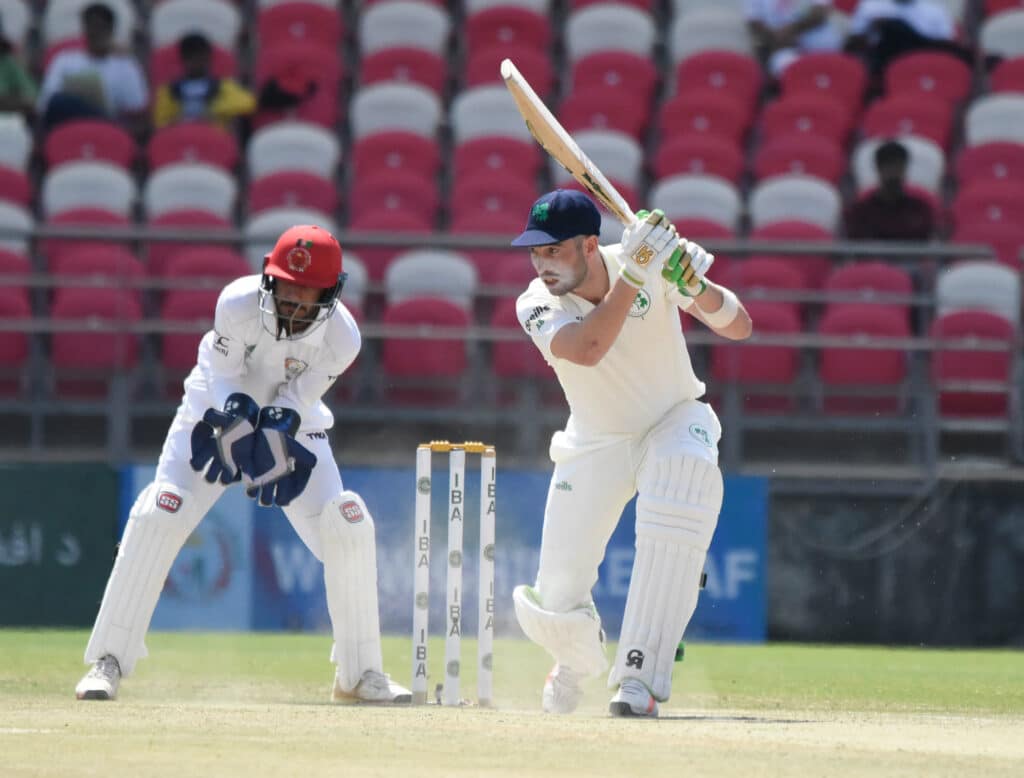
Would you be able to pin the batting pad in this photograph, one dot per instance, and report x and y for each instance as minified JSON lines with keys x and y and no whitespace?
{"x":350,"y":577}
{"x":675,"y":519}
{"x":574,"y":638}
{"x":159,"y":523}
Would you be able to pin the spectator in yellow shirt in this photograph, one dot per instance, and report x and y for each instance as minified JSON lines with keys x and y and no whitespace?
{"x":199,"y":95}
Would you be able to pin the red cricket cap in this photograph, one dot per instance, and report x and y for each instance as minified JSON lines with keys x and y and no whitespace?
{"x":306,"y":255}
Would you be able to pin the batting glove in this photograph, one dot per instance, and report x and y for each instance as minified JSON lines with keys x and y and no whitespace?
{"x":647,"y":244}
{"x":687,"y":268}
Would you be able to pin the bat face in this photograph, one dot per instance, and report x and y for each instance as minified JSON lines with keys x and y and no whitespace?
{"x":553,"y":138}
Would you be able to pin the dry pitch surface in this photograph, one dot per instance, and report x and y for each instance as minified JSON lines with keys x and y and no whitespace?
{"x":254,"y":705}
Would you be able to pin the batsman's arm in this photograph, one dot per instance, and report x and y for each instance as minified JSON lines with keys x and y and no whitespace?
{"x":721,"y":310}
{"x":586,"y":342}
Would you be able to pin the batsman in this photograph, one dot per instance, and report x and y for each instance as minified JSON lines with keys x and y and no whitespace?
{"x":252,"y":415}
{"x":606,"y":319}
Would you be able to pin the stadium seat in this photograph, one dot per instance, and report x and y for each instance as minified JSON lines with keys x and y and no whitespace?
{"x":1008,"y":76}
{"x":989,"y":201}
{"x":376,"y":258}
{"x":61,"y":21}
{"x":209,"y":144}
{"x":196,"y":223}
{"x":710,"y":112}
{"x":486,"y":111}
{"x":353,"y":293}
{"x":1002,"y":35}
{"x":969,"y":364}
{"x":697,"y":197}
{"x":809,"y":113}
{"x":113,"y":263}
{"x":89,"y":140}
{"x":303,"y":22}
{"x":262,"y":230}
{"x":293,"y":147}
{"x":930,"y":73}
{"x":289,"y":189}
{"x":841,"y":76}
{"x":802,"y":154}
{"x":215,"y":262}
{"x":397,"y":150}
{"x":608,"y":27}
{"x":218,"y":20}
{"x":424,"y":371}
{"x":15,"y":347}
{"x":395,"y":190}
{"x":514,"y":359}
{"x":390,"y":107}
{"x":710,"y":28}
{"x":15,"y":187}
{"x":993,"y":7}
{"x":816,"y":267}
{"x":863,"y":381}
{"x":980,"y":286}
{"x":165,"y":64}
{"x":499,"y":156}
{"x":1005,"y":239}
{"x":15,"y":141}
{"x":405,"y":65}
{"x":758,"y":277}
{"x":17,"y":19}
{"x":928,"y":117}
{"x":699,"y":154}
{"x":600,"y":108}
{"x":403,"y":24}
{"x":299,"y":68}
{"x":179,"y":350}
{"x":869,"y":279}
{"x":493,"y":193}
{"x":88,"y":185}
{"x":925,"y":170}
{"x":447,"y":275}
{"x":736,"y":75}
{"x":12,"y":263}
{"x":506,"y":25}
{"x":190,"y":186}
{"x":615,"y":154}
{"x":95,"y":219}
{"x":765,"y":374}
{"x":993,"y":118}
{"x":484,"y":67}
{"x":795,"y":198}
{"x":612,"y":70}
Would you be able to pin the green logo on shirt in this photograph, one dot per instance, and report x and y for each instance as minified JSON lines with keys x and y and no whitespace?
{"x":700,"y":434}
{"x":564,"y":486}
{"x":641,"y":305}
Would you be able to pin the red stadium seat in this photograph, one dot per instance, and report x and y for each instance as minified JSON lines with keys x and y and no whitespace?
{"x":929,"y":73}
{"x":192,"y":142}
{"x":815,"y":267}
{"x":84,"y":361}
{"x":880,"y":371}
{"x":15,"y":187}
{"x":293,"y":189}
{"x":506,"y":25}
{"x":89,"y":139}
{"x":870,"y":279}
{"x":396,"y":151}
{"x":1005,"y":238}
{"x":297,"y":68}
{"x":509,"y":268}
{"x":12,"y":263}
{"x":1008,"y":76}
{"x":806,"y":154}
{"x":990,"y":161}
{"x":992,"y":201}
{"x":817,"y":114}
{"x":165,"y":64}
{"x":493,"y":193}
{"x":756,"y":276}
{"x":395,"y":190}
{"x":605,"y":109}
{"x":484,"y":67}
{"x":614,"y":70}
{"x":929,"y":117}
{"x":703,"y":154}
{"x":299,"y":22}
{"x":412,"y":65}
{"x":376,"y":258}
{"x":93,"y":218}
{"x":158,"y":253}
{"x":216,"y":262}
{"x":518,"y":358}
{"x":424,"y":372}
{"x":993,"y":7}
{"x":643,"y":5}
{"x":710,"y":112}
{"x":116,"y":266}
{"x":499,"y":155}
{"x":178,"y":350}
{"x":484,"y":222}
{"x":970,"y":364}
{"x":758,"y":369}
{"x":14,"y":346}
{"x":842,"y":76}
{"x":735,"y":75}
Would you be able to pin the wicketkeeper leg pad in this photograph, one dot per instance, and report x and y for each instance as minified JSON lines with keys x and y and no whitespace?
{"x":676,"y":514}
{"x":350,"y":577}
{"x":159,"y":523}
{"x":573,"y":638}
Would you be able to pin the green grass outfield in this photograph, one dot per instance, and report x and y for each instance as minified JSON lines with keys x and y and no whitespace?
{"x":257,"y":705}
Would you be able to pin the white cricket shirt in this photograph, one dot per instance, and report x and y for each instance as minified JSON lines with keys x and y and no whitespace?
{"x":645,"y":373}
{"x":240,"y":355}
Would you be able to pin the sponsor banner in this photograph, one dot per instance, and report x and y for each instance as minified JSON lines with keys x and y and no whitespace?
{"x":210,"y":583}
{"x":57,"y":542}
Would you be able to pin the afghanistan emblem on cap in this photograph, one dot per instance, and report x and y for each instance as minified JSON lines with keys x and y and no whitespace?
{"x":299,"y":258}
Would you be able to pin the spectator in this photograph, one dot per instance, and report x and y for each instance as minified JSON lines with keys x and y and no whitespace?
{"x":785,"y":29}
{"x":199,"y":95}
{"x":890,"y":212}
{"x":97,"y":82}
{"x":17,"y":91}
{"x":881,"y":30}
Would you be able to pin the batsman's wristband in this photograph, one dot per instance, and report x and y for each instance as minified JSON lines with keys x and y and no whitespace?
{"x":626,"y":276}
{"x":725,"y":315}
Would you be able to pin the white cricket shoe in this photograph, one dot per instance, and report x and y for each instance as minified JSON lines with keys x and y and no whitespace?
{"x":633,"y":699}
{"x":373,"y":687}
{"x":562,"y":690}
{"x":102,"y":680}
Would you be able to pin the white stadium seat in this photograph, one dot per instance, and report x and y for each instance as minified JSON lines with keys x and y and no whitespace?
{"x":431,"y":273}
{"x":609,"y":27}
{"x":708,"y":29}
{"x":487,"y":111}
{"x":1003,"y":34}
{"x":982,"y":285}
{"x":391,"y":106}
{"x":16,"y":20}
{"x":795,"y":198}
{"x":14,"y":218}
{"x":88,"y":185}
{"x":615,"y":154}
{"x":15,"y":141}
{"x":218,"y":20}
{"x":190,"y":186}
{"x":993,"y":118}
{"x":293,"y":146}
{"x":926,"y":167}
{"x":403,"y":24}
{"x":697,"y":197}
{"x":542,"y":7}
{"x":354,"y":291}
{"x":263,"y":230}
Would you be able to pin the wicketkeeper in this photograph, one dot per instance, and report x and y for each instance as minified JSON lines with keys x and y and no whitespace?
{"x":606,"y":318}
{"x":253,"y":414}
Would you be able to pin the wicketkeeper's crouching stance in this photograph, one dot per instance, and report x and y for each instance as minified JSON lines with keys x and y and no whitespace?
{"x":607,"y":320}
{"x":279,"y":341}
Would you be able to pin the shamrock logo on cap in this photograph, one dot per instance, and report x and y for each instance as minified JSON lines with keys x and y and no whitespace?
{"x":540,"y":212}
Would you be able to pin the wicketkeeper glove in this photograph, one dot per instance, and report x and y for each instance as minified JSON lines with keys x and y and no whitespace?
{"x":688,"y":268}
{"x":279,"y":466}
{"x":647,"y":244}
{"x":215,"y":439}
